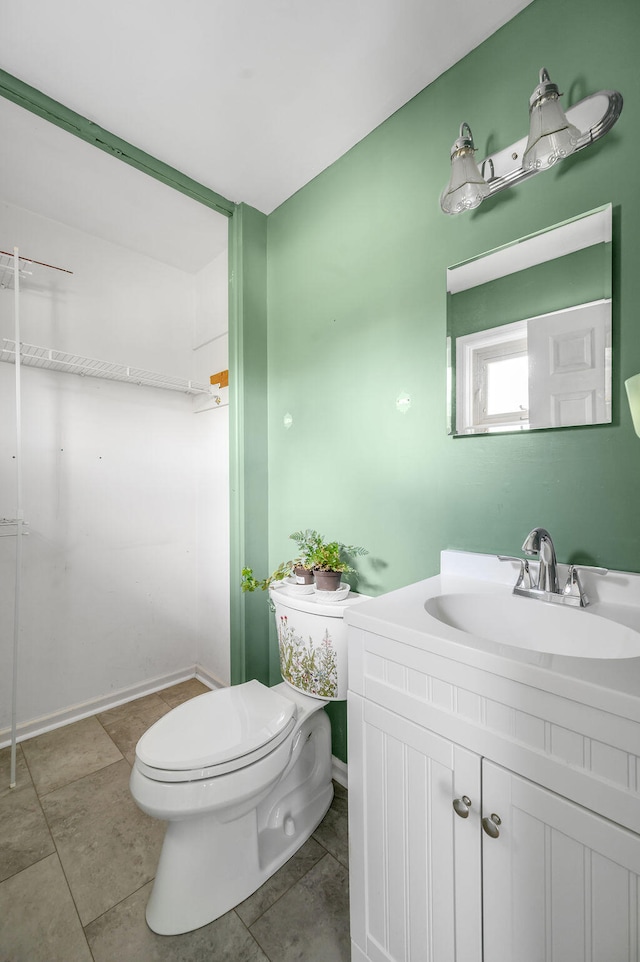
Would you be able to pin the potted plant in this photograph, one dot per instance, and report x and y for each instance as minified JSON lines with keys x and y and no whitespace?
{"x":316,"y":559}
{"x":308,"y":541}
{"x":328,"y":563}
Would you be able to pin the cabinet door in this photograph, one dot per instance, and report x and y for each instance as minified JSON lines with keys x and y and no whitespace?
{"x":407,"y":842}
{"x":560,"y":882}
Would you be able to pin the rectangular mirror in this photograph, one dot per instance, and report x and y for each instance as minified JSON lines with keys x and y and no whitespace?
{"x":529,"y":331}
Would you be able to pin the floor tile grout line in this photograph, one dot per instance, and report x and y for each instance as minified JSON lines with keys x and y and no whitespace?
{"x":103,"y":728}
{"x":72,"y":897}
{"x":75,"y":905}
{"x":36,"y":861}
{"x":46,"y":822}
{"x":286,"y":891}
{"x":61,"y":863}
{"x":39,"y":800}
{"x":80,"y":778}
{"x":119,"y":902}
{"x":55,"y":845}
{"x":57,"y":853}
{"x":264,"y":951}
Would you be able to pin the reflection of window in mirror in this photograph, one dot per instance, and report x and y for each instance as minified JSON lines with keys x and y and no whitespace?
{"x":492,"y":380}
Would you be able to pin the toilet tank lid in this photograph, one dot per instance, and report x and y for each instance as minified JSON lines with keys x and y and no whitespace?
{"x":314,"y":605}
{"x":216,"y":727}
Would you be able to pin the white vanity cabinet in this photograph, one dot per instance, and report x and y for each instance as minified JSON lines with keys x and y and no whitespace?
{"x":414,"y":869}
{"x":560,"y":882}
{"x":432,"y":723}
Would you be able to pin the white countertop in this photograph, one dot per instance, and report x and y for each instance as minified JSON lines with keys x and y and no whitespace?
{"x":612,"y":684}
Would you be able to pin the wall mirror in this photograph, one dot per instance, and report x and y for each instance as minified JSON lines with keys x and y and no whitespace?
{"x":529,"y":331}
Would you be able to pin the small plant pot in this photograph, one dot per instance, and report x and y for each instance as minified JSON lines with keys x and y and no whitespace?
{"x":327,"y":580}
{"x":302,"y":575}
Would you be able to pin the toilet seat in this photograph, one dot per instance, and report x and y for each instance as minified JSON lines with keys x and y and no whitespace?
{"x":216,"y":733}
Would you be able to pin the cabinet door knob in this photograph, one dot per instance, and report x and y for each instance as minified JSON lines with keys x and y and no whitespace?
{"x":461,"y":806}
{"x":490,"y":824}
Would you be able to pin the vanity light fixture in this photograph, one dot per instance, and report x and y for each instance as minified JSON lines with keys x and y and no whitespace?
{"x":467,"y":188}
{"x":553,"y":135}
{"x":633,"y":394}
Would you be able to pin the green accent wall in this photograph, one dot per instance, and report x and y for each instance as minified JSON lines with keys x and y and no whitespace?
{"x":357,"y":316}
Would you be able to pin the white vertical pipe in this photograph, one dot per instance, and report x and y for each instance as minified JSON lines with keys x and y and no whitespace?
{"x":19,"y":518}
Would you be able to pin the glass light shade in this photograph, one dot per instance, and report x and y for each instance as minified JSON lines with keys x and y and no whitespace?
{"x":633,"y":394}
{"x":467,"y":188}
{"x":551,"y":136}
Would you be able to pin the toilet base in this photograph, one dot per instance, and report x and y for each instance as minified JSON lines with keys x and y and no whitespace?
{"x":212,"y":862}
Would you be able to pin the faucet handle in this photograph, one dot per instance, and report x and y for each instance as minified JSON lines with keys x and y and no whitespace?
{"x":524,"y":577}
{"x":573,"y":587}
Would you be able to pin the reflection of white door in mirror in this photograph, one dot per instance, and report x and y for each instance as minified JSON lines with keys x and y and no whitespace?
{"x":570,"y":366}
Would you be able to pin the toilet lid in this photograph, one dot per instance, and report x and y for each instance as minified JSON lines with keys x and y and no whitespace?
{"x":216,"y":728}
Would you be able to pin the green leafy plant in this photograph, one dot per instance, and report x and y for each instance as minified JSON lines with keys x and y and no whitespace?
{"x":313,"y":553}
{"x":251,"y":583}
{"x":332,"y":556}
{"x":308,"y":541}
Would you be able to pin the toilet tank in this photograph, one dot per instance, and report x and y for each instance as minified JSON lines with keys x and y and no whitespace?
{"x":312,"y":638}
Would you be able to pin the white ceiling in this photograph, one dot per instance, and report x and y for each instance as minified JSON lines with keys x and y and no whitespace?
{"x":44,"y":169}
{"x":252,"y":98}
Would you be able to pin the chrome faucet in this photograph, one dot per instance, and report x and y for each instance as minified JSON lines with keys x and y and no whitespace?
{"x":539,"y":542}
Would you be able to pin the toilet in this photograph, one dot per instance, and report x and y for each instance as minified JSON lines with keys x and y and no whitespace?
{"x":242,"y":775}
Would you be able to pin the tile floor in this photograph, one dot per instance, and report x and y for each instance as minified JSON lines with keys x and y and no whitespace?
{"x":77,"y":859}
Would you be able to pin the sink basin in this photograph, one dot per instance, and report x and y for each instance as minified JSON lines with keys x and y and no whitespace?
{"x":593,"y":632}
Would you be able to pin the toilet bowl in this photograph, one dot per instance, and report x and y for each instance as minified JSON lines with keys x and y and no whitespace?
{"x":242,"y":775}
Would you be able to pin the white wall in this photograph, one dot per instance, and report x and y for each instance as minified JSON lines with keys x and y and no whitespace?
{"x":124,"y":486}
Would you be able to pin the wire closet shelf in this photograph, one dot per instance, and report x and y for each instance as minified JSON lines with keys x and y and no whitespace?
{"x":16,"y":269}
{"x":31,"y":355}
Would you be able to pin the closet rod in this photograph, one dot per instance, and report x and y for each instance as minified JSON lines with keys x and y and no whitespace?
{"x":39,"y":263}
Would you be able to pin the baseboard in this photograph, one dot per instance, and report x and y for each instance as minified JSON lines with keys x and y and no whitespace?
{"x":339,"y":772}
{"x":209,"y":679}
{"x":66,"y":716}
